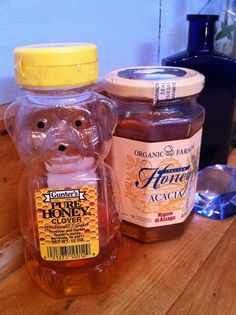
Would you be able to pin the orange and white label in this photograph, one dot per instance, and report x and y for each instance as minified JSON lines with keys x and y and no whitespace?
{"x":157,"y":180}
{"x":67,"y":222}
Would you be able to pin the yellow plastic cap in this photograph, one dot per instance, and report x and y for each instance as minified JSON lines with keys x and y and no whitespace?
{"x":56,"y":65}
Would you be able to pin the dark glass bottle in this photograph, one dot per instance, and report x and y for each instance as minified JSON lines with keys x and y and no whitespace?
{"x":218,"y":95}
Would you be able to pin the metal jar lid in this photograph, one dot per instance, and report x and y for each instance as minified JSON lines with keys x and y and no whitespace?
{"x":154,"y":83}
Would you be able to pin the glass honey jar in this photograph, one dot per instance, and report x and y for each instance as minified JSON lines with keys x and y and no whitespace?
{"x":156,"y":147}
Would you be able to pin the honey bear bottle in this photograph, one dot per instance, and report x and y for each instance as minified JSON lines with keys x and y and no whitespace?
{"x":68,"y":199}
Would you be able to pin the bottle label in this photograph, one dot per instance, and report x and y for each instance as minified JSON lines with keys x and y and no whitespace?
{"x":67,"y":222}
{"x":157,"y":180}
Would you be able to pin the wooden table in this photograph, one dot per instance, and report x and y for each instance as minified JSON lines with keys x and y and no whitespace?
{"x":195,"y":274}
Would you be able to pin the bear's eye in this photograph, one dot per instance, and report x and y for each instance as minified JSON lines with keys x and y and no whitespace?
{"x":78,"y":123}
{"x":81,"y":122}
{"x":41,"y":124}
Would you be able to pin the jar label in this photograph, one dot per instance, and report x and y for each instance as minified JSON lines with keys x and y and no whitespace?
{"x":164,"y":90}
{"x":157,"y":180}
{"x":67,"y":222}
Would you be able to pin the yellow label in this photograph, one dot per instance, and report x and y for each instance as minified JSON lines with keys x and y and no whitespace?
{"x":67,"y":222}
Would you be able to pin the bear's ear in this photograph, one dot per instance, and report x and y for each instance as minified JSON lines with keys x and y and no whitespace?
{"x":109,"y":114}
{"x":9,"y":118}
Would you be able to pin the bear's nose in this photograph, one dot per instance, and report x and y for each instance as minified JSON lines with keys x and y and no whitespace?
{"x":62,"y":147}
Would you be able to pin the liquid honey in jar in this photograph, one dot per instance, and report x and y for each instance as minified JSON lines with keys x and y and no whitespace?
{"x":156,"y":147}
{"x":62,"y":130}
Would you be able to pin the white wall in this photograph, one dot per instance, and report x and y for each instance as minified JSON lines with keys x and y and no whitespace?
{"x":174,"y":27}
{"x":125,"y":31}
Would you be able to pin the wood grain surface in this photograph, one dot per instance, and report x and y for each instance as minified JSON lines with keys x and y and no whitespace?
{"x":11,"y":253}
{"x":11,"y":168}
{"x":213,"y":289}
{"x":10,"y":171}
{"x":193,"y":275}
{"x":153,"y":277}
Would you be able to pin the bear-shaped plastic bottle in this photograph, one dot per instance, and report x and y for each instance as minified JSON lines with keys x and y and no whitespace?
{"x":67,"y":197}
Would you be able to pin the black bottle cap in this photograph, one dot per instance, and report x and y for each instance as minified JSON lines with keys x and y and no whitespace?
{"x":205,"y":17}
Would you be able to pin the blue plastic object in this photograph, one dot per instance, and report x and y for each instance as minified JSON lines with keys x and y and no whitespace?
{"x":216,"y":192}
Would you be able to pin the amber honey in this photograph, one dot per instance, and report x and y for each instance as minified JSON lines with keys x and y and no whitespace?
{"x":156,"y":148}
{"x":68,"y":199}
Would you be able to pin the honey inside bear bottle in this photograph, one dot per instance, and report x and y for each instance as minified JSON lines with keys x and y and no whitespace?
{"x":68,"y":201}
